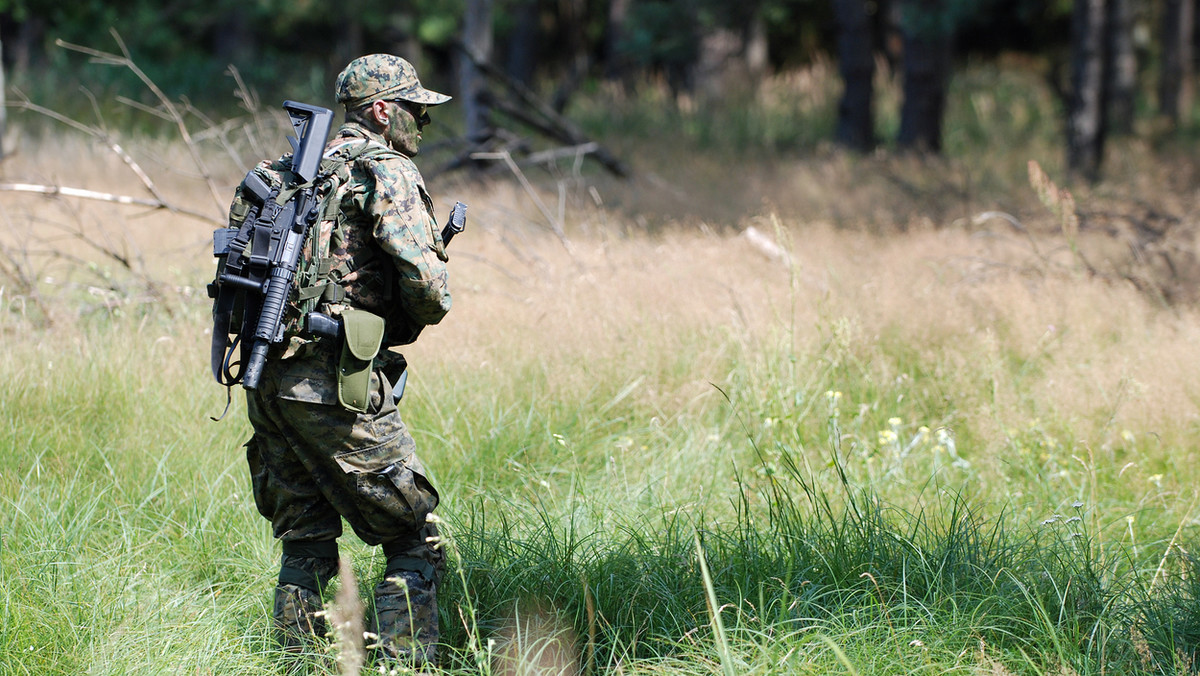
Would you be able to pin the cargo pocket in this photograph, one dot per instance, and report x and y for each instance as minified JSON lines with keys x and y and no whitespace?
{"x":258,"y":479}
{"x":394,"y":496}
{"x":310,"y":380}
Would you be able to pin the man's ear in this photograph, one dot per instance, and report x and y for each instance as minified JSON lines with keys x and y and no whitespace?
{"x":379,"y":112}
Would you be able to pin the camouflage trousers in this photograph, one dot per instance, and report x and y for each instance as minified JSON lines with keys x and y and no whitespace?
{"x":314,"y":463}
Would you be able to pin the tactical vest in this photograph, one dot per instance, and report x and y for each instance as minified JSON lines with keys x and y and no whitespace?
{"x":320,"y":272}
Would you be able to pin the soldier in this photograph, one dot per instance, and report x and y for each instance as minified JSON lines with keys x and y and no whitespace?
{"x":328,"y":440}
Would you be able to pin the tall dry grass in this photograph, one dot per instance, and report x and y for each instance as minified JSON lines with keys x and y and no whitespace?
{"x":659,"y":366}
{"x":962,"y":301}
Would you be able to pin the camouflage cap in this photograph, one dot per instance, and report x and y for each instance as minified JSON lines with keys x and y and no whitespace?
{"x":382,"y":76}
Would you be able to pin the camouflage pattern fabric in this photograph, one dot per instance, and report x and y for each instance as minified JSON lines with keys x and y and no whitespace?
{"x":384,"y":249}
{"x":382,"y":76}
{"x":406,"y":619}
{"x":385,"y":205}
{"x":313,"y":463}
{"x":297,"y":617}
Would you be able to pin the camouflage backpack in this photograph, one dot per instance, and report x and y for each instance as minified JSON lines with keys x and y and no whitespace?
{"x":273,"y":259}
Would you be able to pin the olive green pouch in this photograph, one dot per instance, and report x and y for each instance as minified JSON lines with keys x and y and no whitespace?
{"x":362,"y":334}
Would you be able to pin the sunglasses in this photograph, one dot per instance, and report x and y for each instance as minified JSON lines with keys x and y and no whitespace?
{"x":419,"y":111}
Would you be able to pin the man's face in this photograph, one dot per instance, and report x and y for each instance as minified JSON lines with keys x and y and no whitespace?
{"x":403,"y":131}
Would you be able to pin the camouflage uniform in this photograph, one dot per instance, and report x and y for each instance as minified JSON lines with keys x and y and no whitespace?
{"x":314,"y":462}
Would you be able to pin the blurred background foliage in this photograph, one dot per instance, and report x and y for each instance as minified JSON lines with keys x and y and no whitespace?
{"x":743,"y":77}
{"x":289,"y":45}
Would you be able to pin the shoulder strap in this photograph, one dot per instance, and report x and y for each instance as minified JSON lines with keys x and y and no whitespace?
{"x":318,"y":283}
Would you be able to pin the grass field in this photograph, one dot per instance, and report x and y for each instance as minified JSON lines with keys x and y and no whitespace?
{"x":921,"y":442}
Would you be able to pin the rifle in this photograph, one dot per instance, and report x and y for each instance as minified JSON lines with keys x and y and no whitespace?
{"x":275,"y":229}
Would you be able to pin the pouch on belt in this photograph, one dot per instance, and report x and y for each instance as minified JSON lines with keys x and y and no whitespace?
{"x":362,"y":334}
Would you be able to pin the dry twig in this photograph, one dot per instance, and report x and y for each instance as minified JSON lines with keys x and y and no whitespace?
{"x":55,"y":190}
{"x":556,"y":224}
{"x":173,"y":112}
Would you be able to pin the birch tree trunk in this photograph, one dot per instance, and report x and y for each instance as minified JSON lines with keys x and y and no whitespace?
{"x":856,"y":63}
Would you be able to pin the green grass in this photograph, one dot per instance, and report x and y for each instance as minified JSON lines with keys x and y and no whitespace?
{"x":878,"y":461}
{"x":131,"y":544}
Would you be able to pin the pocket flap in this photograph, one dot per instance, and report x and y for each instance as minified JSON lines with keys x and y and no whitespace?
{"x":308,"y":390}
{"x":380,"y":459}
{"x":363,"y":333}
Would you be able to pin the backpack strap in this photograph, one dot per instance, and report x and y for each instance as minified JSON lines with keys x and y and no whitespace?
{"x":322,"y":281}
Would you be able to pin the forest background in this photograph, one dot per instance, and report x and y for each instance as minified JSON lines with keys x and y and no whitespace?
{"x":1097,"y":55}
{"x":790,"y":336}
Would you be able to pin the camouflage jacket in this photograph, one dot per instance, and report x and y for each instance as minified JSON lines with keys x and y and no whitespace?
{"x":378,"y":247}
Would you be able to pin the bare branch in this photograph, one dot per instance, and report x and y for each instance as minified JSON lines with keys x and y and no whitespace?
{"x":102,"y":135}
{"x":24,"y":103}
{"x":52,"y":190}
{"x":149,"y":110}
{"x":180,"y":124}
{"x":218,"y":131}
{"x":555,"y":224}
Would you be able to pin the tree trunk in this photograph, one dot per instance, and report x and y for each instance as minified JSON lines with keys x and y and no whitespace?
{"x":572,"y":24}
{"x":3,"y":104}
{"x":1122,"y":87}
{"x":521,"y":53}
{"x":757,"y":50}
{"x":890,"y":22}
{"x":1087,"y":119}
{"x":732,"y":53}
{"x":233,"y":41}
{"x":856,"y":63}
{"x":346,"y":36}
{"x":1175,"y":80}
{"x":926,"y":72}
{"x":719,"y":46}
{"x":616,"y":66}
{"x":477,"y":38}
{"x":399,"y":37}
{"x":26,"y":50}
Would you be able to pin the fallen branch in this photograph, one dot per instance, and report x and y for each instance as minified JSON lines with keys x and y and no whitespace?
{"x":552,"y":123}
{"x":53,"y":190}
{"x":559,"y":153}
{"x":766,"y":246}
